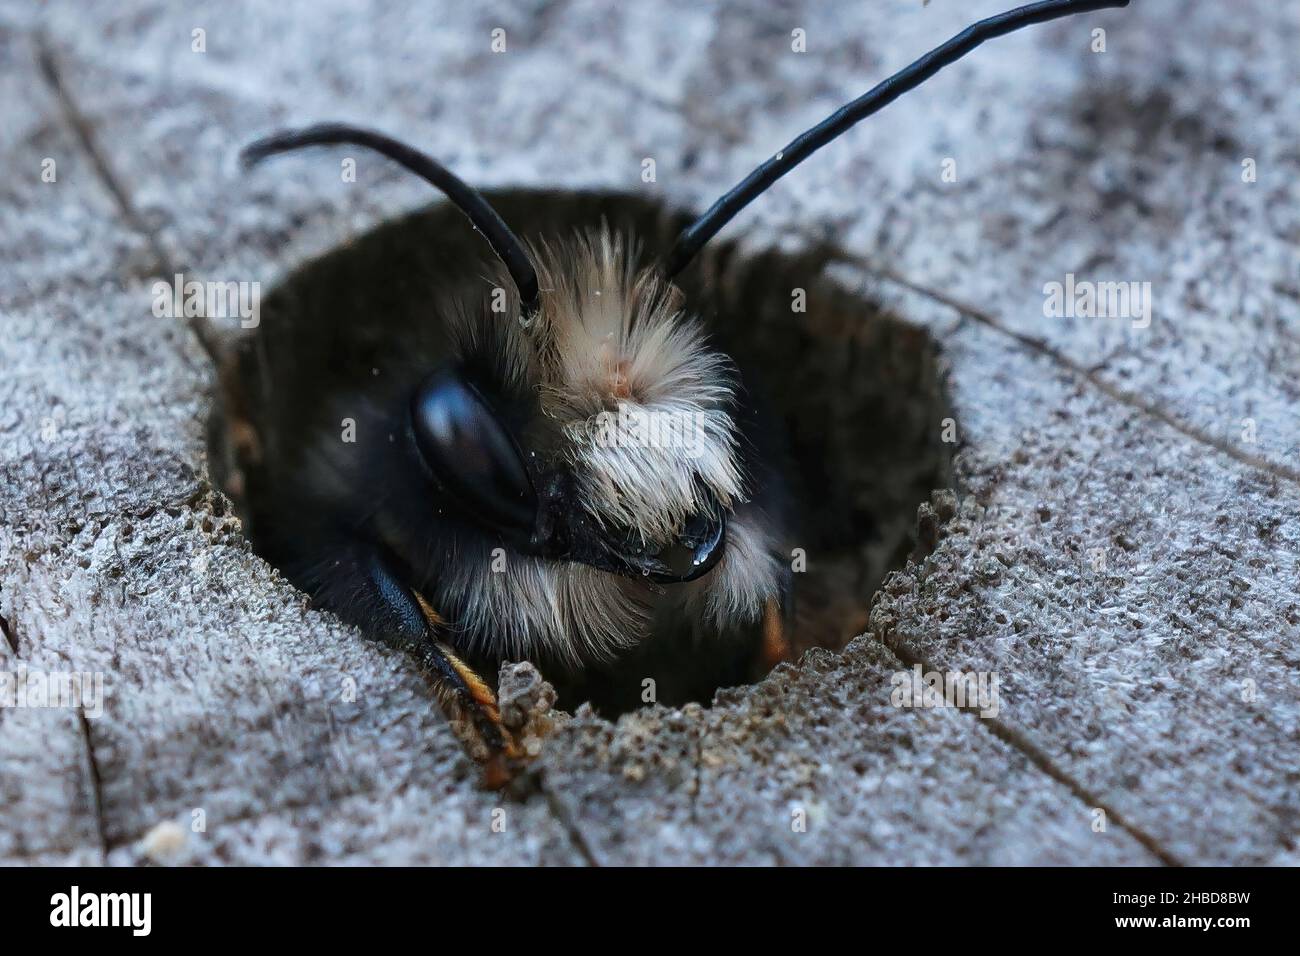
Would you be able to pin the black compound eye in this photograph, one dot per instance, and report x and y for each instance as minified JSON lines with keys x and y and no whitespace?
{"x":471,"y":454}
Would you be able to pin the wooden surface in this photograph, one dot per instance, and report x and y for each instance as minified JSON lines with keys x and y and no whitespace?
{"x":1123,"y":546}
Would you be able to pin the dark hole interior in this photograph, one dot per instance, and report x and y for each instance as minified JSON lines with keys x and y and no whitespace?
{"x":857,"y":395}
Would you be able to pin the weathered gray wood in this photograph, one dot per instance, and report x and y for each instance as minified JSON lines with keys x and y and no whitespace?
{"x":1121,"y":686}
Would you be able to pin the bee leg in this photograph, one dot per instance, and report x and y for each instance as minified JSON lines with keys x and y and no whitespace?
{"x":405,"y":620}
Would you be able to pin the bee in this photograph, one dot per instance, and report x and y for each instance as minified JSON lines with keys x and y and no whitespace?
{"x":557,"y":463}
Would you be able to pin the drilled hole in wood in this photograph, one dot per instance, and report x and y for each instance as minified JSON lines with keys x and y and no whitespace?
{"x":854,"y":396}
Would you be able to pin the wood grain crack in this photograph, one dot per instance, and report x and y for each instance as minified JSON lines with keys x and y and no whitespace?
{"x":1090,"y":374}
{"x":81,"y":127}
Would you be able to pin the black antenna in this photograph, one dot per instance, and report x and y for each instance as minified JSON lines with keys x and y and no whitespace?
{"x":465,"y":197}
{"x":694,"y":236}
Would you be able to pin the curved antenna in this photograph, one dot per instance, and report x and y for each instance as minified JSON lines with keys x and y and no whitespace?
{"x":466,"y":198}
{"x":694,"y":236}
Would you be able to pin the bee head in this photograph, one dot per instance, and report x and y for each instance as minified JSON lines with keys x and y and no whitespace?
{"x":595,"y":429}
{"x":594,"y":438}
